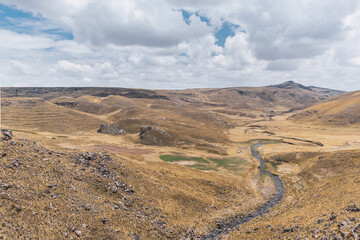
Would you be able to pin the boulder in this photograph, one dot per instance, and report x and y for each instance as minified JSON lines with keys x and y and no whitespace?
{"x":7,"y":134}
{"x":151,"y":135}
{"x":353,"y":208}
{"x":114,"y":129}
{"x":67,"y":104}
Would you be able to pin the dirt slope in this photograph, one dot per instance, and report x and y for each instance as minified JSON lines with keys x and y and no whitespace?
{"x":340,"y":110}
{"x":326,"y":193}
{"x":52,"y":194}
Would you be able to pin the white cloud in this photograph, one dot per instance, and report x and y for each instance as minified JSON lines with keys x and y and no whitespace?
{"x":238,"y":49}
{"x":72,"y":68}
{"x":86,"y":80}
{"x":283,"y":65}
{"x":72,"y":47}
{"x":12,"y":40}
{"x":22,"y":68}
{"x":138,"y":43}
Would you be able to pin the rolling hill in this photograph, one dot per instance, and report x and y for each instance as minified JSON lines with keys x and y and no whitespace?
{"x":168,"y":177}
{"x":193,"y":117}
{"x":339,"y":110}
{"x":261,"y":100}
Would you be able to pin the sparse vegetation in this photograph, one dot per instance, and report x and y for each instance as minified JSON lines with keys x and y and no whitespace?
{"x":275,"y":165}
{"x":203,"y":167}
{"x":231,"y":164}
{"x":172,"y":158}
{"x":16,"y":130}
{"x":73,"y":178}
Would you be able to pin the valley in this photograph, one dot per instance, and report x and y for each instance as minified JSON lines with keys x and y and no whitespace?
{"x":275,"y":162}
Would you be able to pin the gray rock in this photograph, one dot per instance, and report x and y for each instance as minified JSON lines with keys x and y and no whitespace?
{"x":6,"y":186}
{"x":285,"y":230}
{"x":78,"y":233}
{"x":319,"y":221}
{"x":114,"y":129}
{"x":333,"y":216}
{"x":8,"y":135}
{"x":114,"y":189}
{"x":353,"y":208}
{"x":316,"y":233}
{"x":343,"y":223}
{"x":356,"y":232}
{"x":136,"y":237}
{"x":67,"y":104}
{"x":151,"y":135}
{"x":104,"y":220}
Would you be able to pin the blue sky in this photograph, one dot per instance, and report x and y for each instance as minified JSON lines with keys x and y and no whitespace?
{"x":14,"y":19}
{"x":226,"y":30}
{"x":27,"y":22}
{"x":170,"y":44}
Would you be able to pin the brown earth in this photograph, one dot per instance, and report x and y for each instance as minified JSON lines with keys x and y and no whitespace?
{"x":47,"y":187}
{"x":340,"y":110}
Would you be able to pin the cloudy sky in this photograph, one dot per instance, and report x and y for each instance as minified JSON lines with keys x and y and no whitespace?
{"x":175,"y":44}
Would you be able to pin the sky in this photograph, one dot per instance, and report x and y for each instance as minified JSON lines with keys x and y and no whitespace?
{"x":173,"y":44}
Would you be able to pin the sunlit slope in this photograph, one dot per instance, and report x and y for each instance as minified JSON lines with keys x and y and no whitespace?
{"x":185,"y":122}
{"x":93,"y":104}
{"x":38,"y":115}
{"x":339,"y":110}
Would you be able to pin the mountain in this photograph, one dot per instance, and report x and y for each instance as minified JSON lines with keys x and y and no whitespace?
{"x":239,"y":100}
{"x":291,"y":85}
{"x":296,"y":86}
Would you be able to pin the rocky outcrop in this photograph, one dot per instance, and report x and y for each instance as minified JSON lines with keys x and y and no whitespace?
{"x":353,"y":208}
{"x":150,"y":135}
{"x":7,"y":134}
{"x":5,"y":103}
{"x":113,"y":129}
{"x":67,"y":104}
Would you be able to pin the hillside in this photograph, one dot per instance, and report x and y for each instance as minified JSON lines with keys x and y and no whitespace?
{"x":102,"y":163}
{"x":196,"y":118}
{"x":327,"y":206}
{"x":185,"y":124}
{"x":340,"y":110}
{"x":96,"y":195}
{"x":261,"y":100}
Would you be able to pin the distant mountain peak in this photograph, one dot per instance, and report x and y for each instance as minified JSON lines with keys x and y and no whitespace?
{"x":291,"y":85}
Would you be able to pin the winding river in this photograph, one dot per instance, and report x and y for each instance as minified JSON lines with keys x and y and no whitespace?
{"x":231,"y":223}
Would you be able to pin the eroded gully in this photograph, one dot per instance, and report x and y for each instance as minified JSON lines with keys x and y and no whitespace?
{"x":229,"y":225}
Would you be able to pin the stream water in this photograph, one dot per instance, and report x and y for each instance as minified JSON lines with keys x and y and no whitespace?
{"x":231,"y":224}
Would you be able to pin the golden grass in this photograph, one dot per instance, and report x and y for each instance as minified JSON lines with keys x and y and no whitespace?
{"x":180,"y":196}
{"x":339,"y":110}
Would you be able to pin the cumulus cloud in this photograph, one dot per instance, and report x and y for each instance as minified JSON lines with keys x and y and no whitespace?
{"x":72,"y":68}
{"x":123,"y":22}
{"x":283,"y":65}
{"x":86,"y":80}
{"x":22,"y":68}
{"x":148,"y":44}
{"x":12,"y":40}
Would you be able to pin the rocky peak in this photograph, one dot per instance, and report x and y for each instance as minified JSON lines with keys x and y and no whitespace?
{"x":291,"y":85}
